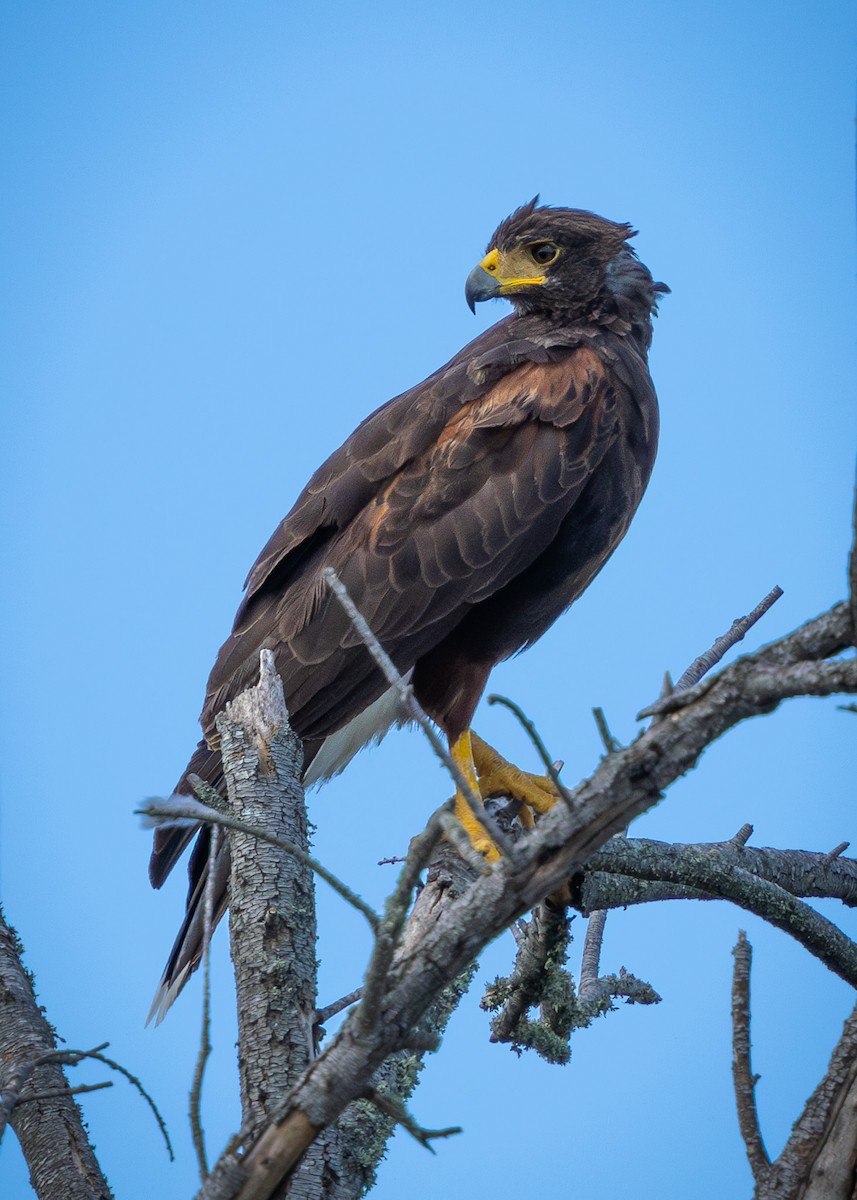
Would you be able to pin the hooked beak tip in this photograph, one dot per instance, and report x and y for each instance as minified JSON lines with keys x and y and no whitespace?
{"x":480,"y":286}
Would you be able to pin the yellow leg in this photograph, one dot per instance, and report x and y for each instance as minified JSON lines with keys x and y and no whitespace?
{"x":462,"y":754}
{"x":497,"y":777}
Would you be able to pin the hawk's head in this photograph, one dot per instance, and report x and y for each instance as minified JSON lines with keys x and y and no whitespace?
{"x":548,"y":260}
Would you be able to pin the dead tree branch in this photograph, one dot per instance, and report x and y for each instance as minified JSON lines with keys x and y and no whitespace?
{"x":49,"y":1126}
{"x":437,"y":950}
{"x":737,"y":631}
{"x":628,"y":871}
{"x":742,"y":1073}
{"x":272,"y":907}
{"x":819,"y":1161}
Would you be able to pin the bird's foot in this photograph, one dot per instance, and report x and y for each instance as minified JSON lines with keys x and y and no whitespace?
{"x":497,"y":777}
{"x":481,"y":841}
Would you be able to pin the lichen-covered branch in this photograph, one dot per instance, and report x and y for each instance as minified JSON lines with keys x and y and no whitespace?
{"x":540,"y":978}
{"x":767,"y":900}
{"x":625,"y":872}
{"x":48,"y":1125}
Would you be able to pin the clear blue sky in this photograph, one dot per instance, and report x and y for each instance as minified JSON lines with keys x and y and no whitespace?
{"x":228,"y":233}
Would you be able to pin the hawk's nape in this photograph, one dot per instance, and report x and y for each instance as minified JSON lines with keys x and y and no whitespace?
{"x":463,"y":517}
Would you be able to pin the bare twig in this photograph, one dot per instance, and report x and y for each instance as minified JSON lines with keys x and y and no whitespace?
{"x":135,"y":1083}
{"x":742,"y":837}
{"x":197,"y":1131}
{"x":53,"y":1094}
{"x":736,"y":632}
{"x":12,"y":1095}
{"x":394,"y":1108}
{"x":611,"y":745}
{"x":331,"y":1010}
{"x":828,"y":858}
{"x":535,"y":738}
{"x":742,"y":1075}
{"x":395,"y":914}
{"x":201,"y":812}
{"x":703,"y":664}
{"x":409,"y":703}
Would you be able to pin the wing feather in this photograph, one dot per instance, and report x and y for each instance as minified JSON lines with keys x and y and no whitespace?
{"x":455,"y":513}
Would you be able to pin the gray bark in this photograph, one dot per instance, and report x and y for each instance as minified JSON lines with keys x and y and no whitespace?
{"x":59,"y":1155}
{"x":272,"y":904}
{"x":819,"y":1161}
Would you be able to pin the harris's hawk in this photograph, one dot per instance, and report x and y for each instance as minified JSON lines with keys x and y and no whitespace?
{"x":463,"y":517}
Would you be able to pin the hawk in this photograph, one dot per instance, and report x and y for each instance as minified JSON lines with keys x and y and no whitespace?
{"x":463,"y":517}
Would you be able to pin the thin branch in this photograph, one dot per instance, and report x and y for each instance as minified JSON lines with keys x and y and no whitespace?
{"x":79,"y":1090}
{"x":174,"y":809}
{"x":742,"y":1075}
{"x":195,"y":1099}
{"x":611,"y":745}
{"x":411,"y":706}
{"x":394,"y":1108}
{"x":539,"y":972}
{"x":331,"y":1010}
{"x":703,"y":664}
{"x":591,"y":957}
{"x":136,"y":1083}
{"x":72,"y":1058}
{"x":389,"y":932}
{"x":539,"y":978}
{"x":533,"y":734}
{"x":736,"y":632}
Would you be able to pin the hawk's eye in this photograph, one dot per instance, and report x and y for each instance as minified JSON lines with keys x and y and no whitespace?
{"x":544,"y":253}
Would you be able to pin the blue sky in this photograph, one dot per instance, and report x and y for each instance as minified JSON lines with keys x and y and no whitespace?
{"x":229,"y":232}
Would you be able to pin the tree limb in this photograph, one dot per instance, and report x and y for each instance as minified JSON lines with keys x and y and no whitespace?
{"x":818,"y":1161}
{"x":628,"y":871}
{"x":742,"y":1073}
{"x":49,"y":1126}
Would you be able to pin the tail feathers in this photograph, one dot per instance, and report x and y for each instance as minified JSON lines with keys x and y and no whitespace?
{"x":170,"y":843}
{"x":187,"y":950}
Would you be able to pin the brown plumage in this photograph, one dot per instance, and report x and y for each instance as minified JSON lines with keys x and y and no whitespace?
{"x":463,"y":516}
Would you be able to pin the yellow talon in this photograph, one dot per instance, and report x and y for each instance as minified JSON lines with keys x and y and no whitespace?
{"x":489,"y":774}
{"x":462,"y":754}
{"x":497,"y":777}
